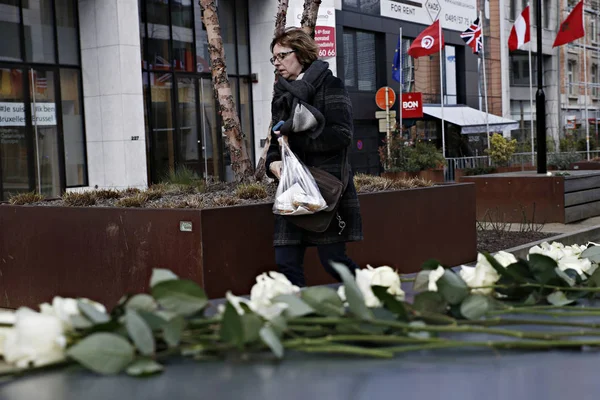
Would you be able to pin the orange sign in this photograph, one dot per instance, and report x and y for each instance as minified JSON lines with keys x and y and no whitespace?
{"x":381,"y":96}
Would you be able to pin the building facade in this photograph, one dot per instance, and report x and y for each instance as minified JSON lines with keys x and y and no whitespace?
{"x":116,"y":93}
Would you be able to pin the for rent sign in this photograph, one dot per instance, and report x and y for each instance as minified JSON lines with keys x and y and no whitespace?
{"x":455,"y":15}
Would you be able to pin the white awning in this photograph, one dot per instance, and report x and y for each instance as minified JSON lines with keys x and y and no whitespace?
{"x":470,"y":119}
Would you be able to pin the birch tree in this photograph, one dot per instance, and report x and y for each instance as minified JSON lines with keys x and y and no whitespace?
{"x":234,"y":137}
{"x":307,"y":23}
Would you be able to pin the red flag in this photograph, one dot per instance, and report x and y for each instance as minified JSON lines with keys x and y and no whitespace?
{"x":428,"y":42}
{"x":572,"y":27}
{"x":520,"y":32}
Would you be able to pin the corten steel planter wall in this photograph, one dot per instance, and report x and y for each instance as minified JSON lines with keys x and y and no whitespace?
{"x":104,"y":253}
{"x":434,"y":175}
{"x":585,"y":165}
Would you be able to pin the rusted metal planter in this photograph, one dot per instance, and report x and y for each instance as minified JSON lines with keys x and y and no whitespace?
{"x":434,"y":175}
{"x":103,"y":253}
{"x":531,"y":197}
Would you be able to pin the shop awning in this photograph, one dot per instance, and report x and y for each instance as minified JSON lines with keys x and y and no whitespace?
{"x":470,"y":119}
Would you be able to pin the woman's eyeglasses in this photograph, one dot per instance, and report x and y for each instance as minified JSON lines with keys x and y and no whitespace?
{"x":281,"y":56}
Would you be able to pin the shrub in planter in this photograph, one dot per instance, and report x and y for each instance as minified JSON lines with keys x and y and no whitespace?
{"x":409,"y":156}
{"x":562,"y":161}
{"x":501,"y":149}
{"x":479,"y":171}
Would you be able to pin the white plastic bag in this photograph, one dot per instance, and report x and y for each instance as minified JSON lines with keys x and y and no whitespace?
{"x":297,"y":193}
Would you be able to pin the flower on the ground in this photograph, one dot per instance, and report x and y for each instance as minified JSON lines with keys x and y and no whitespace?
{"x":66,"y":308}
{"x":35,"y":338}
{"x":381,"y":276}
{"x":567,"y":257}
{"x":268,"y":286}
{"x":434,"y":276}
{"x":483,"y":274}
{"x":269,"y":312}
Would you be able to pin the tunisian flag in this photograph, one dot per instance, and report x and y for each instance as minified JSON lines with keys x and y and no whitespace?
{"x":520,"y":32}
{"x":428,"y":42}
{"x":572,"y":28}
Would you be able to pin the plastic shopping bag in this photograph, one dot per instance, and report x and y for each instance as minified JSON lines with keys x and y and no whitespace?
{"x":297,"y":193}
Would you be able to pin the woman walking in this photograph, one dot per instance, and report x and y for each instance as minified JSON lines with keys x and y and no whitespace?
{"x":317,"y":115}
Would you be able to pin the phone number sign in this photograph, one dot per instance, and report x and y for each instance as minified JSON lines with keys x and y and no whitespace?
{"x":325,"y":38}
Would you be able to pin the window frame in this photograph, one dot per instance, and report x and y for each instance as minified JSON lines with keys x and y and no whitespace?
{"x":355,"y":88}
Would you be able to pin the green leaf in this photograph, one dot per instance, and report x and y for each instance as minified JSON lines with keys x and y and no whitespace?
{"x":161,"y":275}
{"x":430,"y":302}
{"x":139,"y":332}
{"x":296,"y":307}
{"x":520,"y":268}
{"x":475,"y":306}
{"x":513,"y":275}
{"x":232,"y":330}
{"x":172,"y":330}
{"x":270,"y":338}
{"x":558,"y":298}
{"x":323,"y":300}
{"x":452,"y":287}
{"x":567,"y":278}
{"x":104,"y":353}
{"x":252,"y":324}
{"x":142,"y":302}
{"x":154,"y":321}
{"x":390,"y":302}
{"x":542,"y":267}
{"x":80,"y":322}
{"x":419,"y":334}
{"x":421,"y":283}
{"x":181,"y":296}
{"x":592,"y":252}
{"x":92,"y":313}
{"x":355,"y":299}
{"x":430,"y":265}
{"x":594,"y":279}
{"x":144,"y":367}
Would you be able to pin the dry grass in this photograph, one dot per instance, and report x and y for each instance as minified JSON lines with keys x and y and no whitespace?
{"x":251,"y":191}
{"x":106,"y":194}
{"x":79,"y":199}
{"x":25,"y":198}
{"x":370,"y":183}
{"x":154,"y":193}
{"x":136,"y":201}
{"x":131,"y":191}
{"x":223,"y":201}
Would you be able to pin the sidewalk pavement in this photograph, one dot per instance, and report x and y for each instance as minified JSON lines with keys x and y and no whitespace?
{"x":557,"y":228}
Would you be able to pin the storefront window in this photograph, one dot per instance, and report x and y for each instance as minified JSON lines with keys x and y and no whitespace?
{"x":163,"y":131}
{"x":10,"y":45}
{"x":187,"y":122}
{"x":66,"y":27}
{"x":72,"y":122}
{"x":38,"y":20}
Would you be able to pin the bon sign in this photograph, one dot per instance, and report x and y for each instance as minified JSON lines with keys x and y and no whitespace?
{"x":412,"y":105}
{"x":325,"y":38}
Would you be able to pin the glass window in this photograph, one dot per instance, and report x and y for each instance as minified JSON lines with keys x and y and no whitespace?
{"x":66,"y":26}
{"x":359,"y":60}
{"x":42,"y":90}
{"x":243,"y":42}
{"x":14,"y":167}
{"x":10,"y":45}
{"x":72,"y":122}
{"x":362,"y":6}
{"x":227,"y":21}
{"x":202,"y":57}
{"x":211,"y":130}
{"x":39,"y":33}
{"x":183,"y":35}
{"x":245,"y":111}
{"x":157,"y":17}
{"x":163,"y":131}
{"x":187,"y":122}
{"x":571,"y":78}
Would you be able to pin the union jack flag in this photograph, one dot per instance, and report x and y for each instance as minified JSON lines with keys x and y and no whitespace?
{"x":473,"y":37}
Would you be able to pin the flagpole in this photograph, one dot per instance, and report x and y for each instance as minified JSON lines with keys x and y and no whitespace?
{"x":585,"y":99}
{"x":531,"y":98}
{"x":487,"y":123}
{"x":442,"y":90}
{"x":401,"y":58}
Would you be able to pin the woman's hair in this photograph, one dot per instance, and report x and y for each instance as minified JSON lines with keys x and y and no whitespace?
{"x":306,"y":48}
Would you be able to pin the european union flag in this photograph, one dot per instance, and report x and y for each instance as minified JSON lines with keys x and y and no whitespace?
{"x":397,"y":62}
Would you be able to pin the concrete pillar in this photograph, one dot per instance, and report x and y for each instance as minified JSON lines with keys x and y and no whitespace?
{"x":113,"y":96}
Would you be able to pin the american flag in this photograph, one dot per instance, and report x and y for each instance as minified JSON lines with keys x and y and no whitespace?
{"x":472,"y":36}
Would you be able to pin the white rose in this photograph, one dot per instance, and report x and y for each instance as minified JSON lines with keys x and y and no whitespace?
{"x":269,"y":312}
{"x":480,"y":275}
{"x":364,"y":277}
{"x":268,"y":286}
{"x":504,"y":258}
{"x":7,"y":318}
{"x":387,"y":277}
{"x":36,"y":339}
{"x":66,"y":308}
{"x":573,"y":250}
{"x":434,"y":276}
{"x":553,"y":251}
{"x":580,"y":265}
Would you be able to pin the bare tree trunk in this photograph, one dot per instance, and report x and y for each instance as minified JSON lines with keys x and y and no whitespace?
{"x":234,"y":137}
{"x":308,"y":23}
{"x":280,"y":22}
{"x":309,"y":16}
